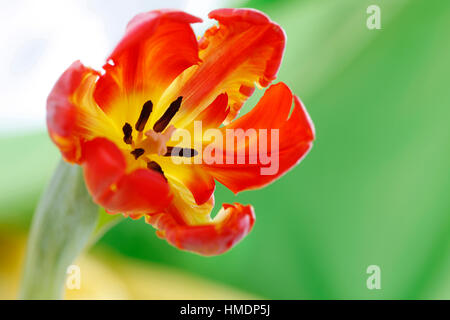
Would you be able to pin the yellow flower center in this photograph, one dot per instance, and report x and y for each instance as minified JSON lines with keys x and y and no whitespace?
{"x":154,"y":141}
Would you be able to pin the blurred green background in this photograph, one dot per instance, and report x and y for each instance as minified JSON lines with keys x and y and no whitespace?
{"x":373,"y":190}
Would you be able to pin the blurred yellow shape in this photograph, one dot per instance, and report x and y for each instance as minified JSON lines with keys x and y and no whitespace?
{"x":108,"y":276}
{"x":11,"y":257}
{"x":151,"y":281}
{"x":97,"y":282}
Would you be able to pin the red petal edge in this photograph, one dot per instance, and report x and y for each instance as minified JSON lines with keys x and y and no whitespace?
{"x":225,"y":231}
{"x":62,"y":113}
{"x":139,"y":192}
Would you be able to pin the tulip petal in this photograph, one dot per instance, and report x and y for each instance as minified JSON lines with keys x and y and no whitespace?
{"x":141,"y":191}
{"x":296,"y":133}
{"x":214,"y":115}
{"x":157,"y":46}
{"x":244,"y":50}
{"x":62,"y":113}
{"x":72,"y":114}
{"x":232,"y":223}
{"x":200,"y":184}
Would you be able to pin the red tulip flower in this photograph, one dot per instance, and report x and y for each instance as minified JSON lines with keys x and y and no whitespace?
{"x":119,"y":123}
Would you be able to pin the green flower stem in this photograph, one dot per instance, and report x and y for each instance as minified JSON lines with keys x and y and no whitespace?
{"x":65,"y":222}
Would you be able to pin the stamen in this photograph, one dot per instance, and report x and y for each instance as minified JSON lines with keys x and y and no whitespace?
{"x":143,"y":117}
{"x":127,"y":130}
{"x":181,"y":152}
{"x":162,"y":123}
{"x":137,"y":152}
{"x":152,"y":165}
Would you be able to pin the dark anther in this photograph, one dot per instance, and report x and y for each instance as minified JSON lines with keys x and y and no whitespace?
{"x":162,"y":123}
{"x":127,"y":130}
{"x":152,"y":165}
{"x":137,"y":152}
{"x":143,"y":117}
{"x":181,"y":152}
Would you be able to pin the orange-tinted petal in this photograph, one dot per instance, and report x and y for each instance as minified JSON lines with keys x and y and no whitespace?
{"x":185,"y":209}
{"x":214,"y":115}
{"x":62,"y":114}
{"x":231,"y":224}
{"x":72,"y":114}
{"x":244,"y":50}
{"x":141,"y":191}
{"x":192,"y":176}
{"x":157,"y":46}
{"x":295,"y":134}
